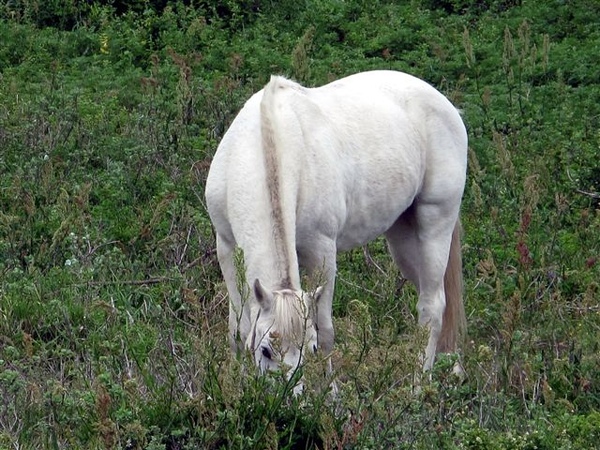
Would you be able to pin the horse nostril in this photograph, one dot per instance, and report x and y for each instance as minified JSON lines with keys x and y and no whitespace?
{"x":266,"y":352}
{"x":314,"y":348}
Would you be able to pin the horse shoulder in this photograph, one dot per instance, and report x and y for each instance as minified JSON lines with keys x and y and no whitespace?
{"x":234,"y":167}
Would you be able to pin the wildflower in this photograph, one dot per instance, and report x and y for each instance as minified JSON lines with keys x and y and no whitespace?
{"x":104,"y":44}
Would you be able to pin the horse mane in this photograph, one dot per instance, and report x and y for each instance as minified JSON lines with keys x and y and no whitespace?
{"x":290,"y":314}
{"x":272,"y":148}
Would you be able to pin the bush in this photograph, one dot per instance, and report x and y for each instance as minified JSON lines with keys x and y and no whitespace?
{"x":112,"y":306}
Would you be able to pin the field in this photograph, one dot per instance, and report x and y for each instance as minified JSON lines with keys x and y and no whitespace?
{"x":112,"y":306}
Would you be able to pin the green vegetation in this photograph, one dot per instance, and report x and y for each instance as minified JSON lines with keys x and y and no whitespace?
{"x":112,"y":307}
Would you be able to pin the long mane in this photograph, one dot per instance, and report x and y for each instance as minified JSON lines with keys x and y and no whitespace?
{"x":290,"y":314}
{"x":282,"y":143}
{"x":273,"y":168}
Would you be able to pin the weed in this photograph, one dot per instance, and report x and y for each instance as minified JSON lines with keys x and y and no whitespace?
{"x":113,"y":317}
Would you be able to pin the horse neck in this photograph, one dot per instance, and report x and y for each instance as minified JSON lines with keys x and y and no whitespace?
{"x":282,"y":201}
{"x":270,"y":250}
{"x":282,"y":181}
{"x":279,"y":145}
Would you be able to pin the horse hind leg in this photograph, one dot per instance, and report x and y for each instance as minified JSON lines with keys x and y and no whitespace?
{"x":420,"y":242}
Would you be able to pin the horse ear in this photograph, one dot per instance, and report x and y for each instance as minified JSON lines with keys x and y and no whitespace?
{"x":262,"y":296}
{"x":318,"y":293}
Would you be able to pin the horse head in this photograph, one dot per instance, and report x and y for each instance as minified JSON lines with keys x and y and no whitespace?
{"x":283,"y":329}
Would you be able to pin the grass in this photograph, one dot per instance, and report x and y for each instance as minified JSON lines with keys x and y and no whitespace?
{"x":112,"y":307}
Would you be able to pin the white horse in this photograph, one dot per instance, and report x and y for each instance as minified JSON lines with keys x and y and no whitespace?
{"x":303,"y":173}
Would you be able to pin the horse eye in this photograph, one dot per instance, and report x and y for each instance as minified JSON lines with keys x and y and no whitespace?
{"x":266,"y":352}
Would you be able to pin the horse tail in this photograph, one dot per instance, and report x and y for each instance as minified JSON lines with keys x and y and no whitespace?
{"x":454,"y":323}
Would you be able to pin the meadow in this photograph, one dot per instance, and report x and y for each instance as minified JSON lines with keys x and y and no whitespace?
{"x":113,"y":312}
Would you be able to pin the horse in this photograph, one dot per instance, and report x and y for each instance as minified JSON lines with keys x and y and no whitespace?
{"x":304,"y":173}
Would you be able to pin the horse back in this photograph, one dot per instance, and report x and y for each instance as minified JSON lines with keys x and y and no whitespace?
{"x":395,"y":138}
{"x":353,"y":155}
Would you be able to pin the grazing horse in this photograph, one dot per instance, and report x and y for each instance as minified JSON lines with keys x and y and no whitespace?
{"x":304,"y":173}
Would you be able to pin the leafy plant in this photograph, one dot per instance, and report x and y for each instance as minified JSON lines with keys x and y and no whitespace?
{"x":113,"y":313}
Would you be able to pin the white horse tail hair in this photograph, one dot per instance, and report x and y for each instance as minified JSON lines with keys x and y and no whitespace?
{"x":454,"y":323}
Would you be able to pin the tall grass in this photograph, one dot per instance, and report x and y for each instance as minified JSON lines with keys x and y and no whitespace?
{"x":112,"y":309}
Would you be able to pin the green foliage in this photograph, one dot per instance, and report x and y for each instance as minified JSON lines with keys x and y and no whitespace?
{"x":112,"y":307}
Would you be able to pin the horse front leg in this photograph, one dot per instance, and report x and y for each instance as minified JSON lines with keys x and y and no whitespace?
{"x":321,"y":268}
{"x":239,"y":324}
{"x":324,"y":322}
{"x":320,"y":263}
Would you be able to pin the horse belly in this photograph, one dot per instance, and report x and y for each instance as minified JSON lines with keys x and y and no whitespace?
{"x":372,"y":214}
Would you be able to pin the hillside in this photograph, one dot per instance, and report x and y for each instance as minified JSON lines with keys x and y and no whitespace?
{"x":113,"y":313}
